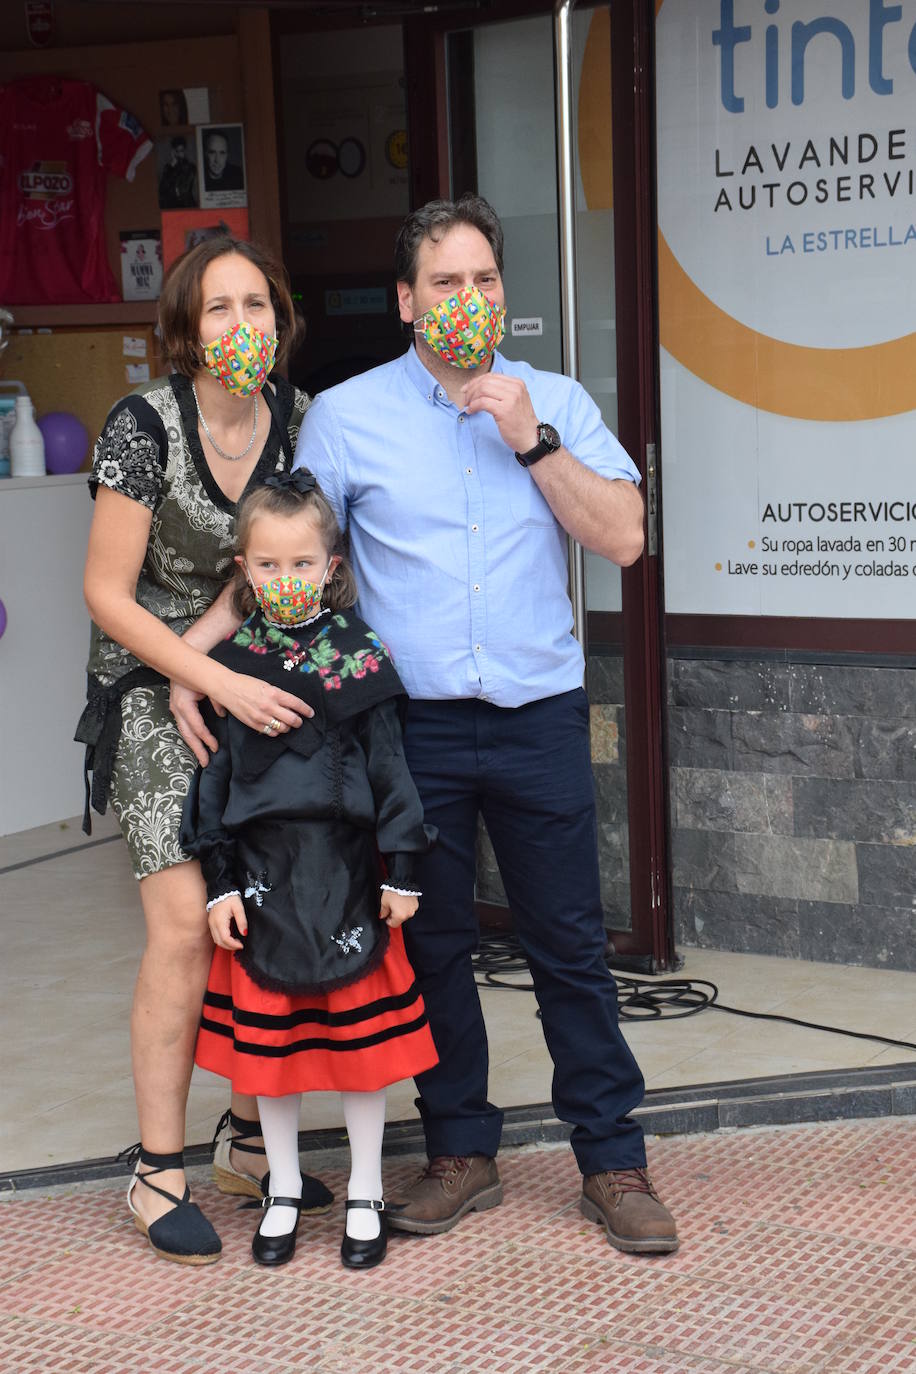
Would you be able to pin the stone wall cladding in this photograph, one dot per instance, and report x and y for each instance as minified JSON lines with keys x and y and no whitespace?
{"x":793,"y":809}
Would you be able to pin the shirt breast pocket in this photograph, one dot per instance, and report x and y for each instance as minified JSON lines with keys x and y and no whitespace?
{"x":526,"y":503}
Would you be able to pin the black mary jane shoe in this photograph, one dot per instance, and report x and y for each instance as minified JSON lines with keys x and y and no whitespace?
{"x":184,"y":1234}
{"x":273,"y":1250}
{"x":365,"y":1254}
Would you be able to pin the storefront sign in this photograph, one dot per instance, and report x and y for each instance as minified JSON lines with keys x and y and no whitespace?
{"x":356,"y":300}
{"x":787,"y":282}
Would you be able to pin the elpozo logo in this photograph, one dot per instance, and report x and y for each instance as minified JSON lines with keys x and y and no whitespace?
{"x":46,"y":181}
{"x":787,"y":201}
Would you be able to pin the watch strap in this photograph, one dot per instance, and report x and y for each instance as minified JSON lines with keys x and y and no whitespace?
{"x":541,"y":448}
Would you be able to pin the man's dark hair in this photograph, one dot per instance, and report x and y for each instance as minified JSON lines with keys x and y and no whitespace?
{"x":433,"y":220}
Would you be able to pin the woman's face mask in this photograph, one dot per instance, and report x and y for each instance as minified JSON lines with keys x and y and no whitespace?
{"x":289,"y":600}
{"x":465,"y":329}
{"x":241,"y":358}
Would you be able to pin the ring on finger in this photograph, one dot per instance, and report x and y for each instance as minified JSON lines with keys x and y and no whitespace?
{"x":268,"y":729}
{"x":275,"y":724}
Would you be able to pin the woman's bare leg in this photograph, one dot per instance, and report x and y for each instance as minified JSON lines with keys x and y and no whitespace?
{"x":166,"y":1012}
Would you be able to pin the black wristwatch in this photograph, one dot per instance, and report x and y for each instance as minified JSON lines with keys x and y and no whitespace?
{"x":548,"y":442}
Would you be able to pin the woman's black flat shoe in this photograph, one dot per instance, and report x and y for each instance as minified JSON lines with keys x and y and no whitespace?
{"x":316,"y":1198}
{"x":276,"y":1249}
{"x":365,"y":1254}
{"x":183,"y":1235}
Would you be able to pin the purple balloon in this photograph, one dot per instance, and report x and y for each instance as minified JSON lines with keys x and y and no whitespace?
{"x":2,"y":619}
{"x":66,"y":441}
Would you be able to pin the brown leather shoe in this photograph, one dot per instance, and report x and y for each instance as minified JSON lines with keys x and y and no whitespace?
{"x":628,"y":1207}
{"x":449,"y":1187}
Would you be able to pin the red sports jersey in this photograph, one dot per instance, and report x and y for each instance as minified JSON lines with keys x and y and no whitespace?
{"x":58,"y":141}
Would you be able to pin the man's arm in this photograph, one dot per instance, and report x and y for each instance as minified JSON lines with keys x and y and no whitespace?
{"x":320,"y":449}
{"x":604,"y":514}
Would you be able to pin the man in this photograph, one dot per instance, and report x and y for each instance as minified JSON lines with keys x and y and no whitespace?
{"x":178,"y":182}
{"x":458,"y":474}
{"x":220,"y":173}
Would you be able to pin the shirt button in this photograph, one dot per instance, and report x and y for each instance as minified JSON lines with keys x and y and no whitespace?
{"x":469,"y":469}
{"x":476,"y":586}
{"x":477,"y":648}
{"x":474,"y":528}
{"x":461,"y":419}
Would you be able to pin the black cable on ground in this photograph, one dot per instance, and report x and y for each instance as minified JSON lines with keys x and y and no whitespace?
{"x":638,"y":999}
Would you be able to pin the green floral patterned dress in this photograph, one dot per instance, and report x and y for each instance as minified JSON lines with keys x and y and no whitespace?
{"x":150,"y":451}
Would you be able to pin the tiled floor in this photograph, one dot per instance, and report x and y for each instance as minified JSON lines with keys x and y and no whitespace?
{"x":798,"y":1256}
{"x":72,"y":932}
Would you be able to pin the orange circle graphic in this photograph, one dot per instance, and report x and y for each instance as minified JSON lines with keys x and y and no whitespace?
{"x":805,"y":383}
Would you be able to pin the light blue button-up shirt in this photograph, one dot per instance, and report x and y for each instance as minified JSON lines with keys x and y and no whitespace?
{"x":460,"y":562}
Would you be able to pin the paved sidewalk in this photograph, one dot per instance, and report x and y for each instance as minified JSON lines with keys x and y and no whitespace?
{"x":798,"y":1254}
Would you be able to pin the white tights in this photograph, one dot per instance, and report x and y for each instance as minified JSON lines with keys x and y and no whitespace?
{"x":364,"y":1114}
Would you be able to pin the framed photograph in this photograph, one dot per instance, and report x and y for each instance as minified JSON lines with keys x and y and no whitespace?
{"x":184,"y":229}
{"x":221,"y":159}
{"x":177,"y":171}
{"x":181,"y":106}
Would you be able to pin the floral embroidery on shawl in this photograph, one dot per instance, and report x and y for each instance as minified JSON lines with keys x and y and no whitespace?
{"x":319,"y":655}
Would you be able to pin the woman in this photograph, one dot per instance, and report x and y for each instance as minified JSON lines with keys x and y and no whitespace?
{"x":168,"y":471}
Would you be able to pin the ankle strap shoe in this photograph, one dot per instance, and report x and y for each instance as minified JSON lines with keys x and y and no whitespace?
{"x":233,"y":1133}
{"x":273,"y":1250}
{"x":184,"y":1234}
{"x":365,"y":1254}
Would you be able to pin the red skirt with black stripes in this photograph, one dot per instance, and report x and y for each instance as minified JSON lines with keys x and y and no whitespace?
{"x":355,"y":1039}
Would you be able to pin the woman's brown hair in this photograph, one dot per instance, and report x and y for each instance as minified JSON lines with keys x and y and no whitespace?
{"x":340,"y":589}
{"x":180,"y":302}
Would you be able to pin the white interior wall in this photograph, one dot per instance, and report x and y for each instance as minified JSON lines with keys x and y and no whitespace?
{"x":44,"y":527}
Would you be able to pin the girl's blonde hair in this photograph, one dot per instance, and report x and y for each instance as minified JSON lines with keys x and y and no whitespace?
{"x":340,"y":589}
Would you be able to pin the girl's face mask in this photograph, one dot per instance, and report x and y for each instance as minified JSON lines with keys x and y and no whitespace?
{"x":289,"y":600}
{"x":465,"y":329}
{"x":241,"y":358}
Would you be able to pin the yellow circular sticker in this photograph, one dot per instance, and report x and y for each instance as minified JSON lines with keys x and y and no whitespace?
{"x":396,"y":149}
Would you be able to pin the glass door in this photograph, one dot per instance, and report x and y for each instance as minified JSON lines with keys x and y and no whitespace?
{"x":502,"y":131}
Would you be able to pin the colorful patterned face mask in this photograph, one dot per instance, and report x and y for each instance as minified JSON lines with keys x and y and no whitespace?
{"x":289,"y":600}
{"x":241,"y":358}
{"x":465,"y":329}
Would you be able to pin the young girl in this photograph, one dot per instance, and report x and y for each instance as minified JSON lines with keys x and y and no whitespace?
{"x":310,"y":987}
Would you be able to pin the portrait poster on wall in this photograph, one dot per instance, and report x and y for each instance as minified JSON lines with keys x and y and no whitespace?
{"x":221,"y":159}
{"x":177,"y":171}
{"x":184,"y":229}
{"x":181,"y":106}
{"x":787,"y":301}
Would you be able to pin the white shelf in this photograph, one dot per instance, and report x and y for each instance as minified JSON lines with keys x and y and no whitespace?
{"x":66,"y":479}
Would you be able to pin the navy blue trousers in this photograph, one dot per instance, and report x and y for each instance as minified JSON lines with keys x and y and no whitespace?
{"x":528,"y":771}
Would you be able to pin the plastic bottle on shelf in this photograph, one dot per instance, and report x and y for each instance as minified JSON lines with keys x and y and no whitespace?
{"x":9,"y":390}
{"x":27,"y":445}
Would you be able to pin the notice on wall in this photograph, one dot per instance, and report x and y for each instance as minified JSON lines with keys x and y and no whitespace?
{"x":787,"y":298}
{"x":141,"y":264}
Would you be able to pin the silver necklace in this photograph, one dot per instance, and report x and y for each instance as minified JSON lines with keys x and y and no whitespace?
{"x":232,"y":457}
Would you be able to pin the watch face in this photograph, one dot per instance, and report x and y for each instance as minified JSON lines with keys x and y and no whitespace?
{"x":549,"y":437}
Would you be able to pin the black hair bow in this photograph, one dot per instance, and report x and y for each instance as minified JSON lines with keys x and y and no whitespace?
{"x":301,"y":481}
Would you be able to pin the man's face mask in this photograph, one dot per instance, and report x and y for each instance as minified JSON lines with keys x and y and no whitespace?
{"x":241,"y":358}
{"x":465,"y":329}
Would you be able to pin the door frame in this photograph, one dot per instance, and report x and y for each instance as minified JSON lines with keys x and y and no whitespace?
{"x":639,"y":629}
